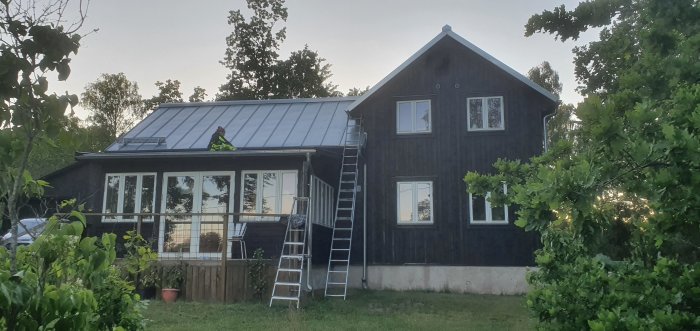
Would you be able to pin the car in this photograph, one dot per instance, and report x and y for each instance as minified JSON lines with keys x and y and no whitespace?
{"x":27,"y":230}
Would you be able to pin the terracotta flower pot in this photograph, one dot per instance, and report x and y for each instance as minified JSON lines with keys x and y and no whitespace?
{"x":169,"y":295}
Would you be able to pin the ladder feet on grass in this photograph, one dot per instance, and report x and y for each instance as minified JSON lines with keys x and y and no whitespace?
{"x":290,"y":268}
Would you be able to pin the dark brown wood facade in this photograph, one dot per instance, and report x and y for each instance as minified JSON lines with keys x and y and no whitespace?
{"x":447,"y":74}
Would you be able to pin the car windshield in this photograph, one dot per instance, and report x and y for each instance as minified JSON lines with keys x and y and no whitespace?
{"x":29,"y":224}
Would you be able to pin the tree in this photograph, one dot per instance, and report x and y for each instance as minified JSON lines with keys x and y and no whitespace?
{"x":198,"y":94}
{"x":303,"y":75}
{"x":357,"y":91}
{"x":257,"y":72}
{"x":560,"y":126}
{"x":167,"y":92}
{"x":251,"y":52}
{"x":618,"y":211}
{"x":35,"y":40}
{"x":546,"y":77}
{"x":114,"y":102}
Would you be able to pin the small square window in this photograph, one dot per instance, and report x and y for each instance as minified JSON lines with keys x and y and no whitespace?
{"x":414,"y":202}
{"x":482,"y":212}
{"x":413,"y":116}
{"x":484,"y":114}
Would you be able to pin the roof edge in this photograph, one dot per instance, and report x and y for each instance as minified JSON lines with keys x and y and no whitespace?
{"x":196,"y":154}
{"x":255,"y":102}
{"x":447,"y":31}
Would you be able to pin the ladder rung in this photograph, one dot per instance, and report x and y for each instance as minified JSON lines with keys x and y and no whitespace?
{"x":340,"y":249}
{"x":334,"y":283}
{"x":343,"y":218}
{"x":296,"y":257}
{"x":285,"y":298}
{"x":335,"y":295}
{"x":340,"y":260}
{"x":289,"y":270}
{"x":287,"y":284}
{"x":293,"y":243}
{"x":349,"y":173}
{"x":347,"y":182}
{"x":343,"y":229}
{"x":346,"y":190}
{"x":334,"y":238}
{"x":296,"y":230}
{"x":345,"y":199}
{"x":346,"y":208}
{"x":338,"y":271}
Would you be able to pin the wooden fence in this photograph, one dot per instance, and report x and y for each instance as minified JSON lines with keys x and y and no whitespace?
{"x":205,"y":281}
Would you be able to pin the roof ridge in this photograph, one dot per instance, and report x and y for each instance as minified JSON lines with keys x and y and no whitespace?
{"x":254,"y":102}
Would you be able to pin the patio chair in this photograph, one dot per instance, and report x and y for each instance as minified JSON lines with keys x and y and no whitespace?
{"x":237,"y":236}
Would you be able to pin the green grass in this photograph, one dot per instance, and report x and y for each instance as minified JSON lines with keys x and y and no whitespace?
{"x":364,"y":310}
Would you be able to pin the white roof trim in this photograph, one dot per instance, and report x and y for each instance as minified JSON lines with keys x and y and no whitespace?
{"x":447,"y":31}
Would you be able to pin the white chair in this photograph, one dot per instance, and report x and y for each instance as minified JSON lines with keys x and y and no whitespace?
{"x":237,"y":236}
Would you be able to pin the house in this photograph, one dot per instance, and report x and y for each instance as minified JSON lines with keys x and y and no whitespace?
{"x":386,"y":168}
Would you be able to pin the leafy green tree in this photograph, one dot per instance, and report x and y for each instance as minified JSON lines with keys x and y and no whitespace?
{"x":35,"y":40}
{"x":255,"y":69}
{"x":618,"y":210}
{"x":560,"y":125}
{"x":114,"y":103}
{"x":303,"y":75}
{"x":167,"y":92}
{"x":251,"y":52}
{"x":355,"y":91}
{"x":198,"y":94}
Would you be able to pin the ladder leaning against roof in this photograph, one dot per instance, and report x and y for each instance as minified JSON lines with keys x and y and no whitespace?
{"x":341,"y":242}
{"x":290,"y":268}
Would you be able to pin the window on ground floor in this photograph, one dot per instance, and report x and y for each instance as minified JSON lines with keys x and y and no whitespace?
{"x":185,"y":195}
{"x":482,"y":212}
{"x":128,"y":193}
{"x":414,"y":202}
{"x":267,"y":192}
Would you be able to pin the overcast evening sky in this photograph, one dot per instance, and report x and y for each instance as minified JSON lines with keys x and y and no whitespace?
{"x":363,"y":40}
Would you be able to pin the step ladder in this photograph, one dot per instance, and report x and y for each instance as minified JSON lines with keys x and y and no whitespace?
{"x":290,"y":268}
{"x":341,"y":242}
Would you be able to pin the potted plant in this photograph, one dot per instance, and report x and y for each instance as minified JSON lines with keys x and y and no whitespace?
{"x":173,"y":276}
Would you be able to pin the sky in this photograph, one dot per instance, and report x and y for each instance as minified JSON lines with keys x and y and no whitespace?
{"x":363,"y":40}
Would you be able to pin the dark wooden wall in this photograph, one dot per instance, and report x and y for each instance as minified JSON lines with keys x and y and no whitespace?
{"x":447,"y":74}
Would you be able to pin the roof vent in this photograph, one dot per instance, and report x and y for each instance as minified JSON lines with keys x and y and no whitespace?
{"x":141,"y":140}
{"x":446,"y":28}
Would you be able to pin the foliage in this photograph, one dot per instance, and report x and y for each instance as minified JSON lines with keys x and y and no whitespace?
{"x":35,"y":40}
{"x":168,"y":92}
{"x":67,"y":282}
{"x":304,"y":75}
{"x":139,"y":257}
{"x":114,"y":102}
{"x":355,"y":91}
{"x":618,"y":208}
{"x":198,"y":94}
{"x":173,"y":275}
{"x":257,"y":273}
{"x":255,"y":69}
{"x":546,"y":77}
{"x":251,"y":51}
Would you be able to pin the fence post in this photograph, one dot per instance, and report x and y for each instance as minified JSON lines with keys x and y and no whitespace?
{"x":139,"y":220}
{"x":224,"y":256}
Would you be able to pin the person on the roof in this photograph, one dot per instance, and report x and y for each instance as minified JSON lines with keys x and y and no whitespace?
{"x":219,"y":143}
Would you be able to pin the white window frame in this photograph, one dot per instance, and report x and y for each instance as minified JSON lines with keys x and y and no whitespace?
{"x":120,"y":197}
{"x":196,"y":220}
{"x":259,"y":190}
{"x":414,"y":204}
{"x":488,"y":211}
{"x":485,"y":115}
{"x":413,"y":117}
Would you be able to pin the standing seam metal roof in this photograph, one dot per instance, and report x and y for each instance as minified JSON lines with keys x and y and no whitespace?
{"x":280,"y":123}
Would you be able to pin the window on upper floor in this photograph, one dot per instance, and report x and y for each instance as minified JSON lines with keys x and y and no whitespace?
{"x":414,"y":202}
{"x":481,"y":211}
{"x":413,"y":117}
{"x":129,"y":193}
{"x":485,"y":113}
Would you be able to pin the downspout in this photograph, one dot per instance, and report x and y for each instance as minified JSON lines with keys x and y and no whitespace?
{"x":364,"y":227}
{"x":307,"y":168}
{"x":544,"y":128}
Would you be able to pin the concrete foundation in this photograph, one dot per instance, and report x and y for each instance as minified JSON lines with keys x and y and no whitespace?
{"x":457,"y":279}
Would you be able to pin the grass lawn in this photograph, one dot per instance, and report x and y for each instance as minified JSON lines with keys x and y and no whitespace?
{"x":364,"y":310}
